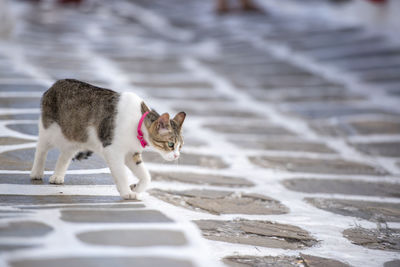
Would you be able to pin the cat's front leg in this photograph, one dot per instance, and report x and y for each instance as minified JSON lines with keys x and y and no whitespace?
{"x":116,"y":163}
{"x":136,"y":165}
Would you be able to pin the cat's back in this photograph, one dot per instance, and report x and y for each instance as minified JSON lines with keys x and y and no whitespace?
{"x":74,"y":105}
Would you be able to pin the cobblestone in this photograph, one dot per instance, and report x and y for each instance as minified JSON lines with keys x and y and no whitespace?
{"x":193,"y":178}
{"x":286,"y":112}
{"x":133,"y":238}
{"x":315,"y":165}
{"x":256,"y":233}
{"x":384,"y":239}
{"x":222,"y":202}
{"x":281,"y":261}
{"x":374,"y":211}
{"x":111,"y":216}
{"x":347,"y":187}
{"x":102,"y":261}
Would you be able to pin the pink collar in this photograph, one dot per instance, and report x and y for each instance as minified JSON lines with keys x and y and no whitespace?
{"x":139,"y":131}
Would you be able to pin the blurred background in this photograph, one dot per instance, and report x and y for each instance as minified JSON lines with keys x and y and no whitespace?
{"x":292,"y":135}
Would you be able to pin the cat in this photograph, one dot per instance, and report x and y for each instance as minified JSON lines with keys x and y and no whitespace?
{"x":79,"y":119}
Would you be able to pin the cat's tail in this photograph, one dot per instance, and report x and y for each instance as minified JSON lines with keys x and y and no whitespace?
{"x":83,"y":155}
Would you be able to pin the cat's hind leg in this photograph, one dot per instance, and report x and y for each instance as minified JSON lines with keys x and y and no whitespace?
{"x":42,"y":147}
{"x":63,"y":162}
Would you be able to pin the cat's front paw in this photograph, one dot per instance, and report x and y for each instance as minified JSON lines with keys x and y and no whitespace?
{"x":54,"y":179}
{"x":130,"y":195}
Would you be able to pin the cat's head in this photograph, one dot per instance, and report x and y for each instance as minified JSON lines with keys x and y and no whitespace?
{"x":165,"y":134}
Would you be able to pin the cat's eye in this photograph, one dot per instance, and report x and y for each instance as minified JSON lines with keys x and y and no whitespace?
{"x":171,"y":144}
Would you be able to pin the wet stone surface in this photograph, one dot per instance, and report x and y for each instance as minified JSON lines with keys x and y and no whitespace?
{"x":133,"y":238}
{"x":22,"y":159}
{"x":385,"y":149}
{"x":221,"y":202}
{"x":282,"y":261}
{"x":203,"y":179}
{"x":211,"y":162}
{"x":24,"y":229}
{"x":103,"y":262}
{"x":113,"y":216}
{"x":383,"y":239}
{"x":373,"y":211}
{"x":308,"y":165}
{"x":256,"y":233}
{"x":348,"y":187}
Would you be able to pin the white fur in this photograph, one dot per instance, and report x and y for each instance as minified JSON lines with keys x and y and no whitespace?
{"x":117,"y":155}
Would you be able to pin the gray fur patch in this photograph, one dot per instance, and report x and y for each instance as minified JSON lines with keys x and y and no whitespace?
{"x":75,"y":105}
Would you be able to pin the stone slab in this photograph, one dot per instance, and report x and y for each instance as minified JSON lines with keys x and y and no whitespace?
{"x":376,"y":127}
{"x":257,"y":129}
{"x":384,"y":149}
{"x":25,"y":229}
{"x":113,"y":216}
{"x":394,"y":263}
{"x":256,"y":233}
{"x":22,"y":116}
{"x":332,"y":111}
{"x":25,"y":128}
{"x":203,"y":179}
{"x":13,"y":247}
{"x":309,"y":165}
{"x":282,"y":261}
{"x":221,"y":202}
{"x":13,"y":200}
{"x":70,"y":179}
{"x":6,"y":140}
{"x":20,"y":102}
{"x":103,"y":261}
{"x":382,"y":239}
{"x":83,"y":206}
{"x":21,"y":87}
{"x":203,"y":110}
{"x":22,"y":159}
{"x":281,"y":145}
{"x":373,"y":211}
{"x":358,"y":128}
{"x":212,"y":162}
{"x":133,"y":238}
{"x":154,"y":84}
{"x":347,"y":187}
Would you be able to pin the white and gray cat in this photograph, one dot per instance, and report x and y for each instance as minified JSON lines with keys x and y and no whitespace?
{"x":79,"y":118}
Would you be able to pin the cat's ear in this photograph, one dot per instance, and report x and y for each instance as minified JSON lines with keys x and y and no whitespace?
{"x":163,"y":123}
{"x":179,"y":118}
{"x":144,"y":108}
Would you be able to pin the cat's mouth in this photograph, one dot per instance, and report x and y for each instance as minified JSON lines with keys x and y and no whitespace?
{"x":170,"y":156}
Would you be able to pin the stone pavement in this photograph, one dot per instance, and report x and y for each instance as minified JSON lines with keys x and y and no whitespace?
{"x":292,"y":139}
